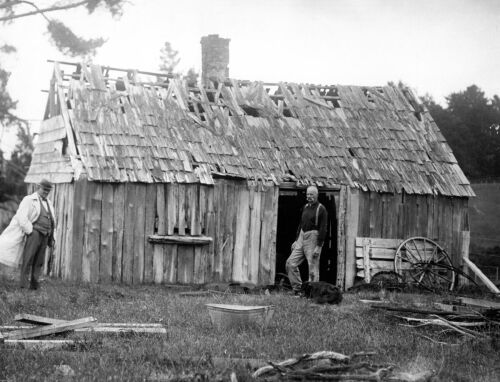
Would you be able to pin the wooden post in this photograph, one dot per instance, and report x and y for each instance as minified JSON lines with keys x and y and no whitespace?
{"x":351,"y":231}
{"x":366,"y":260}
{"x":341,"y":240}
{"x":492,"y":287}
{"x":464,"y":252}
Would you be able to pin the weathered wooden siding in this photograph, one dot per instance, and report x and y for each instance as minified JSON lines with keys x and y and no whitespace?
{"x":392,"y":216}
{"x":103,"y":231}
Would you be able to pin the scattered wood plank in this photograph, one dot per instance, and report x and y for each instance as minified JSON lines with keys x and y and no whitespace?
{"x":478,"y":302}
{"x":52,"y":329}
{"x":37,"y":320}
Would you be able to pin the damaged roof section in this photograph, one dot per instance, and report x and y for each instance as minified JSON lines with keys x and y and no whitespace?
{"x":144,"y":128}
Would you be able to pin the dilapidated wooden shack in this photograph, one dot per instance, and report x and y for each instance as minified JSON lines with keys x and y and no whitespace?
{"x":158,"y":180}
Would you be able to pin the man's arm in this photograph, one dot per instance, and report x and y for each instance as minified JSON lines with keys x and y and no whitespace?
{"x":322,"y":225}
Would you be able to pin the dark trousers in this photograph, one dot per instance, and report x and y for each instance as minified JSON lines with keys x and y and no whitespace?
{"x":33,"y":256}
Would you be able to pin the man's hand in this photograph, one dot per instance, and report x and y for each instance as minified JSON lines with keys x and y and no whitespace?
{"x":317,"y":251}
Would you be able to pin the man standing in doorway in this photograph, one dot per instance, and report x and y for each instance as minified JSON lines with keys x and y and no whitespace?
{"x":36,"y":217}
{"x":311,"y":234}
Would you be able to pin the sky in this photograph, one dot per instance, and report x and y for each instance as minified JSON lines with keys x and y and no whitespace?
{"x":435,"y":46}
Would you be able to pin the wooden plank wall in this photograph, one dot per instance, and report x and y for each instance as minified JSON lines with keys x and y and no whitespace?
{"x":393,"y":216}
{"x":105,"y":229}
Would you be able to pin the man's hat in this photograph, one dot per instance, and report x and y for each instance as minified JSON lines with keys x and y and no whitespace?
{"x":45,"y":184}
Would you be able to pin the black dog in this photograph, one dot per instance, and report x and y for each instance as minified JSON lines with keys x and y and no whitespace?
{"x":322,"y":292}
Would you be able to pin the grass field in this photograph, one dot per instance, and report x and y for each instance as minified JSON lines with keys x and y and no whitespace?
{"x":193,"y":346}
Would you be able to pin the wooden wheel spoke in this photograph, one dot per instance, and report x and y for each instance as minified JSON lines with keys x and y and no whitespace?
{"x":410,"y":252}
{"x":425,"y":262}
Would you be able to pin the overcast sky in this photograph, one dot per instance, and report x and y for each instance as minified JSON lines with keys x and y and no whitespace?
{"x":435,"y":46}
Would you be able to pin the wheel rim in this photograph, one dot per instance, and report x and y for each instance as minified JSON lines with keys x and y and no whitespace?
{"x":422,"y":261}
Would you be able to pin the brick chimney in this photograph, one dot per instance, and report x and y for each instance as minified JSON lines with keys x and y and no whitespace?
{"x":214,"y":58}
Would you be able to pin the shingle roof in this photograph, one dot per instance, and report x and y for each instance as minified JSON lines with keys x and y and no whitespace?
{"x":374,"y":138}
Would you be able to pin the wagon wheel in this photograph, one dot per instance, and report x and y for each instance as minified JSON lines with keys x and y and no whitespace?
{"x":426,"y":263}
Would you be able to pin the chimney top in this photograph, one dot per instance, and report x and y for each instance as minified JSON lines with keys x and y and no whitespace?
{"x":214,"y":58}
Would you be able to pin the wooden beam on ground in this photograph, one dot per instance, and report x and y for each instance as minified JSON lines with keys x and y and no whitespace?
{"x":52,"y":329}
{"x":473,"y":267}
{"x":478,"y":302}
{"x":37,"y":320}
{"x":39,"y":344}
{"x":123,"y":329}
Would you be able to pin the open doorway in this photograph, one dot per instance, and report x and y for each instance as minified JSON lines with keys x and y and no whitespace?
{"x":290,"y":203}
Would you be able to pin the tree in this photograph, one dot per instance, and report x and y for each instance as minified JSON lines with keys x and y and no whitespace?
{"x":168,"y":58}
{"x":61,"y":35}
{"x":470,"y":125}
{"x":168,"y":64}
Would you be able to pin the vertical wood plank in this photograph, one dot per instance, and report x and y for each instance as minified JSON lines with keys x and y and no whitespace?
{"x":193,"y":203}
{"x":220,"y":234}
{"x":200,"y":264}
{"x":241,"y":235}
{"x":68,"y":235}
{"x":161,"y":209}
{"x":351,"y":231}
{"x":119,"y":208}
{"x":254,"y":236}
{"x":158,"y":270}
{"x":149,"y":229}
{"x":210,"y":229}
{"x":128,"y":235}
{"x":91,"y":250}
{"x":185,"y":264}
{"x":80,"y":202}
{"x":200,"y":228}
{"x":272,"y":249}
{"x":170,"y":263}
{"x":138,"y":233}
{"x":229,"y":220}
{"x":106,"y":258}
{"x":341,"y":238}
{"x":266,"y":221}
{"x":172,"y":203}
{"x":182,"y":209}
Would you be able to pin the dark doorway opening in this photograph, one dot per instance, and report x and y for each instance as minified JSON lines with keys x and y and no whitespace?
{"x":290,"y":203}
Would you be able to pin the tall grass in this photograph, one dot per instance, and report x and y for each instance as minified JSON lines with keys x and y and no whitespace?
{"x":192,"y":345}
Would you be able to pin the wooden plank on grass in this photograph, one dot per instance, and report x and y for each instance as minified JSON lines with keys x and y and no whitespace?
{"x":91,"y":251}
{"x":118,"y":226}
{"x":106,"y":258}
{"x":37,"y":320}
{"x":139,"y":223}
{"x":51,"y":329}
{"x":149,"y":228}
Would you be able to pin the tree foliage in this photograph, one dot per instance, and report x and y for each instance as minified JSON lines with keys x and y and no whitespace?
{"x":169,"y":60}
{"x":61,"y":35}
{"x":470,"y":123}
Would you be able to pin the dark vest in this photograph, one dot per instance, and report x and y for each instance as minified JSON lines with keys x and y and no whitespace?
{"x":44,"y":223}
